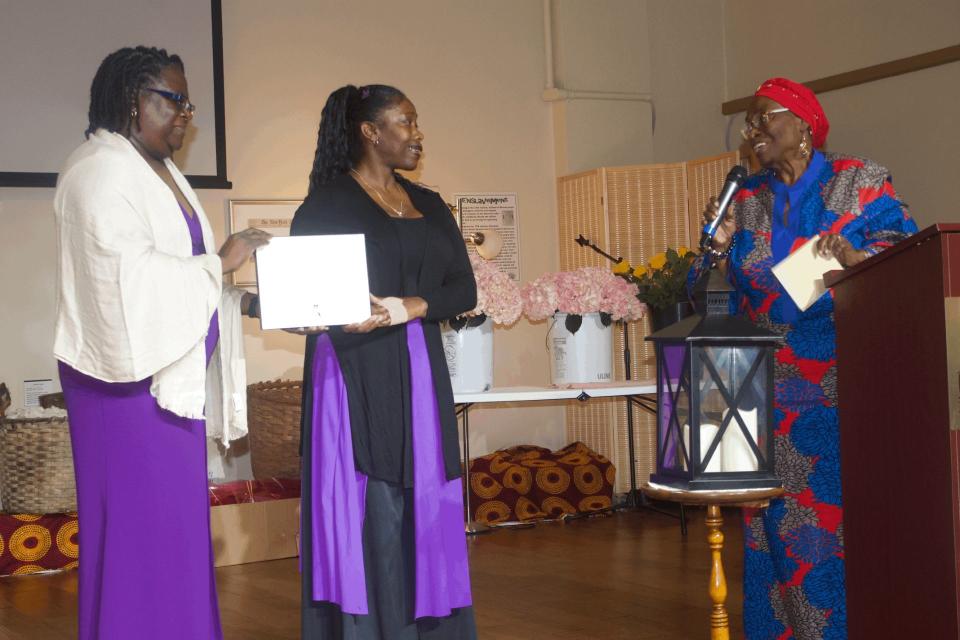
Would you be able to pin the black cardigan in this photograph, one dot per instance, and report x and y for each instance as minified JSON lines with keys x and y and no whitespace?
{"x":372,"y":364}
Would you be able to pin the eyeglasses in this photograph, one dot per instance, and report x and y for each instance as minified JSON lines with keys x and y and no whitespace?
{"x":181,"y":100}
{"x":760,"y":120}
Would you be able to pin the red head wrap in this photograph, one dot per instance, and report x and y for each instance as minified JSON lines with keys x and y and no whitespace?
{"x":802,"y":102}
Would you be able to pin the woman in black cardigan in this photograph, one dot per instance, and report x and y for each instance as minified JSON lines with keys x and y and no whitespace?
{"x":382,"y":541}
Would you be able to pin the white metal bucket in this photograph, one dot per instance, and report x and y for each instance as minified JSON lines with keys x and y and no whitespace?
{"x":584,"y":356}
{"x":469,"y":354}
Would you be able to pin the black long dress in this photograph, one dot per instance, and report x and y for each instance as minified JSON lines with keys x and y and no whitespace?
{"x":406,"y":257}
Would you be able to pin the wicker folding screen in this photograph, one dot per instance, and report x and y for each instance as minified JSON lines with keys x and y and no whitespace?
{"x":647,"y":212}
{"x":581,"y":205}
{"x":580,"y":200}
{"x":636,"y":212}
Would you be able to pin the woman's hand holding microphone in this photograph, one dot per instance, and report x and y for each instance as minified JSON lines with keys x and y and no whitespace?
{"x":728,"y":226}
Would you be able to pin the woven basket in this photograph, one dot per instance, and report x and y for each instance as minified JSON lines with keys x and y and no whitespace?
{"x":273,"y":417}
{"x":36,"y":466}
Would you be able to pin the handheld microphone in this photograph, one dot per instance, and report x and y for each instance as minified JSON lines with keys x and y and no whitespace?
{"x":734,"y":179}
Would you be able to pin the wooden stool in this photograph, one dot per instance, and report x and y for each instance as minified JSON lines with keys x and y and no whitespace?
{"x":719,"y":620}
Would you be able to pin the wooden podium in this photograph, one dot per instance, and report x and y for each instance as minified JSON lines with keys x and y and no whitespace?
{"x":898,"y":354}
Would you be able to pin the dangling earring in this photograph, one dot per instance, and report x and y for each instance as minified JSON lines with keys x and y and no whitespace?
{"x":133,"y":112}
{"x":377,"y":141}
{"x":804,"y":152}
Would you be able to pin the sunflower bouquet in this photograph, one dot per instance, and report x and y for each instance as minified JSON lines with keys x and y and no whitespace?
{"x":663,"y":280}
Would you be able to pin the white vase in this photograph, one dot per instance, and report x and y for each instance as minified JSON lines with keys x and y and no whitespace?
{"x":583,"y":356}
{"x":469,"y":354}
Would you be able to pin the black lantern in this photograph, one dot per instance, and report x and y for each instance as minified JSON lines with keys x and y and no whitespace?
{"x":715,"y":397}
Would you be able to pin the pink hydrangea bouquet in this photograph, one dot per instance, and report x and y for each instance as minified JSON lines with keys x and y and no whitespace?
{"x":498,"y":296}
{"x":585,"y":290}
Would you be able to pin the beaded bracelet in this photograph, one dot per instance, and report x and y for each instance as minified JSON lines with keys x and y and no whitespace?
{"x":721,"y":255}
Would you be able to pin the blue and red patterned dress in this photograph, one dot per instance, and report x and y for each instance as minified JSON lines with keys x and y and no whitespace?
{"x":794,"y":558}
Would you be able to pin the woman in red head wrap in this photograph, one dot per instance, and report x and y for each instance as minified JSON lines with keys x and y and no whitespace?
{"x":793,"y":563}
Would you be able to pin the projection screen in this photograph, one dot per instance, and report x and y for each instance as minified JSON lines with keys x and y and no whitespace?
{"x":49,"y":52}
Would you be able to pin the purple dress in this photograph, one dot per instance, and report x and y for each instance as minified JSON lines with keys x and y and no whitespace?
{"x":146,"y":559}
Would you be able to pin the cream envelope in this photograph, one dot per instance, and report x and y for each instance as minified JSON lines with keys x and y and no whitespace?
{"x":801,"y":273}
{"x":307,"y":281}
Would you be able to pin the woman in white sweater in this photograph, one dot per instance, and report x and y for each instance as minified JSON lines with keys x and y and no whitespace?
{"x":141,"y":314}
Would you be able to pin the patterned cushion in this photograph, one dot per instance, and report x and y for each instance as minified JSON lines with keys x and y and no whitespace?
{"x":33,"y":543}
{"x":30,"y":543}
{"x":530,"y":483}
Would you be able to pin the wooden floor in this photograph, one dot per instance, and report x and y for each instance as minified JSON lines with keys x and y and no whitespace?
{"x":629,"y":575}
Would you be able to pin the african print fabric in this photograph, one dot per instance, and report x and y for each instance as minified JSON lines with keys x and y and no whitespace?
{"x":30,"y":543}
{"x":794,"y":555}
{"x":527,"y":482}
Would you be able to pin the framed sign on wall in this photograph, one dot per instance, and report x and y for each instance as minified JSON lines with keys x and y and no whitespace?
{"x":273,"y":216}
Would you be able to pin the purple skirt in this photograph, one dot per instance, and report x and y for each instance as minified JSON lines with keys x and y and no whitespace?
{"x":336,"y":533}
{"x":146,"y":559}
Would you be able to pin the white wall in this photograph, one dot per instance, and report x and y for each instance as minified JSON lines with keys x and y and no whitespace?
{"x":602,"y":46}
{"x":602,"y":64}
{"x":687,"y":78}
{"x":669,"y":51}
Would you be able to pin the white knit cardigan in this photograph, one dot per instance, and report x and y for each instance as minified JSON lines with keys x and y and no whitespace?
{"x":133,"y":302}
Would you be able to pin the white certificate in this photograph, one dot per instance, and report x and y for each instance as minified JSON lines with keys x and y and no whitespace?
{"x":801,"y":273}
{"x":308,"y":281}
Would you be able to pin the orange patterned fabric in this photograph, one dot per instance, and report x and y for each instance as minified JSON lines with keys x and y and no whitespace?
{"x":530,"y":483}
{"x":32,"y":543}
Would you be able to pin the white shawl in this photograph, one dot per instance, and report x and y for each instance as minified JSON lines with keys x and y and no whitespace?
{"x":133,"y":302}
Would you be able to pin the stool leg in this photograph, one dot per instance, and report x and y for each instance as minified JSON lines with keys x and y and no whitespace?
{"x":719,"y":620}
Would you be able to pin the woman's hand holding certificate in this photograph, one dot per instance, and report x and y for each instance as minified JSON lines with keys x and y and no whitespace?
{"x":306,"y":331}
{"x":389,"y":311}
{"x":336,"y":293}
{"x":379,"y":317}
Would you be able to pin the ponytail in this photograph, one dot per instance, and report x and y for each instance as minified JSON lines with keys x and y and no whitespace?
{"x":339,"y":141}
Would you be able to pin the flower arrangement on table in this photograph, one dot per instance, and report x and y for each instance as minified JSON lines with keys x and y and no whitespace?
{"x":662,"y":282}
{"x":498,"y":297}
{"x":585,"y":290}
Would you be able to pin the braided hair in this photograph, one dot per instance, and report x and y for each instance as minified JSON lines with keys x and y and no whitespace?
{"x":339,"y":141}
{"x":119,"y":80}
